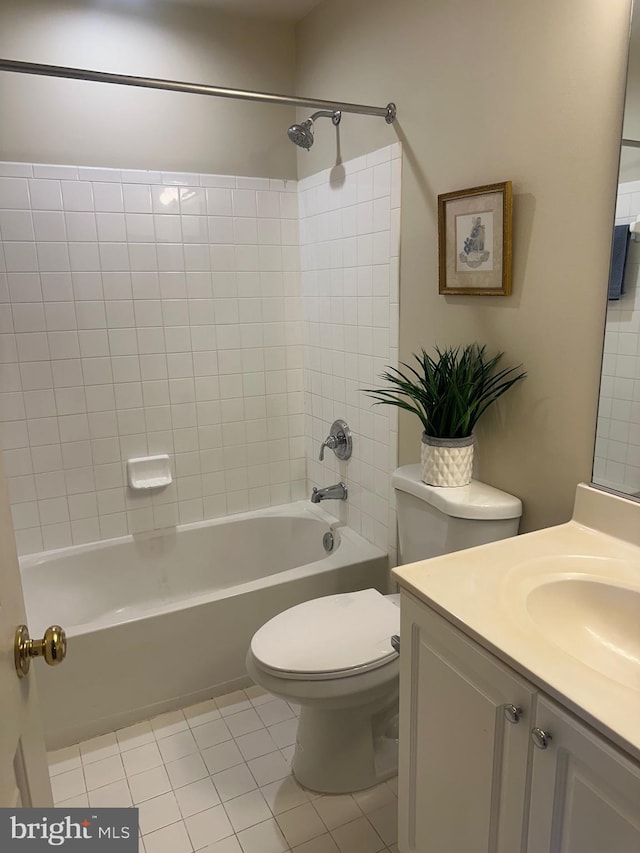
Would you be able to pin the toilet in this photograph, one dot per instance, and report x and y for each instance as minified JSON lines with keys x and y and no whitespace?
{"x":334,"y":655}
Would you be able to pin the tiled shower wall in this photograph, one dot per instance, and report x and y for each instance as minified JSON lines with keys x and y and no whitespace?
{"x":617,"y":456}
{"x":349,"y":245}
{"x":145,"y":313}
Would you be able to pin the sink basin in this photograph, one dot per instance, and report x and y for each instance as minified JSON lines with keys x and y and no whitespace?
{"x":595,"y":620}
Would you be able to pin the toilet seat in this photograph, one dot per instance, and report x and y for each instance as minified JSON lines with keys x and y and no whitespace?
{"x":331,"y":637}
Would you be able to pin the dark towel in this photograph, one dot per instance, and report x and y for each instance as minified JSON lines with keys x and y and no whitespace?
{"x":618,"y":261}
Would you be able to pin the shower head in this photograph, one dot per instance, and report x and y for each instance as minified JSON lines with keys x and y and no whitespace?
{"x":302,"y":134}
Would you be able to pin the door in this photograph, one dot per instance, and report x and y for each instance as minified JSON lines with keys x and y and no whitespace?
{"x":585,"y":795}
{"x":464,"y":741}
{"x":24,"y":778}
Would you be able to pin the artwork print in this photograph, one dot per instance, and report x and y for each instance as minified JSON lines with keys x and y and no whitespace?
{"x":474,"y":241}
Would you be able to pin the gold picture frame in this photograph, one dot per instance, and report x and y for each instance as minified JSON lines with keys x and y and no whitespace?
{"x":474,"y":240}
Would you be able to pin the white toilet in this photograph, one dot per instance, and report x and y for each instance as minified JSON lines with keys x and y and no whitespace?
{"x":334,"y":656}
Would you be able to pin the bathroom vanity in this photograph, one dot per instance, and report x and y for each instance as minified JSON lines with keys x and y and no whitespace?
{"x":520,"y":690}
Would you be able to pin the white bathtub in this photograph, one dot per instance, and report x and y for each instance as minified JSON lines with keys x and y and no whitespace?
{"x":163,"y":619}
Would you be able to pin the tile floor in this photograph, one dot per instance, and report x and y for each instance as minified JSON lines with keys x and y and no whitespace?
{"x":215,"y":777}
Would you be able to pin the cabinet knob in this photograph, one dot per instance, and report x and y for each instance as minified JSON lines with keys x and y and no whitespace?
{"x":512,"y":713}
{"x":540,"y":738}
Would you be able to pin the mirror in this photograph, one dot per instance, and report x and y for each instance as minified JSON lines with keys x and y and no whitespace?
{"x":616,"y":463}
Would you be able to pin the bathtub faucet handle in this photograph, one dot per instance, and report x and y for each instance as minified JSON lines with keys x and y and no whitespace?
{"x":330,"y":441}
{"x":339,"y":440}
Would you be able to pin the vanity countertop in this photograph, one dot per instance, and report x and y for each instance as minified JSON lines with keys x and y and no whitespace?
{"x":560,"y":605}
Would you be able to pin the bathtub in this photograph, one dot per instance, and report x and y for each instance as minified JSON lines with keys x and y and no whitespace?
{"x":163,"y":619}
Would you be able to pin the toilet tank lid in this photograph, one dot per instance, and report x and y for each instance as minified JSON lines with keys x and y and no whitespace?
{"x":476,"y":500}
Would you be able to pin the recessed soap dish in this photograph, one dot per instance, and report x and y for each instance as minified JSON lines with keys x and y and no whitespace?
{"x":149,"y":472}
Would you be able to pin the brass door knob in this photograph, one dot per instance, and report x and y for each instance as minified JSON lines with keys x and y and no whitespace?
{"x":52,"y":647}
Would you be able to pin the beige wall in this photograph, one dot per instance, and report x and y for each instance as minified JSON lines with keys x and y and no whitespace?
{"x":67,"y":121}
{"x":489,"y":91}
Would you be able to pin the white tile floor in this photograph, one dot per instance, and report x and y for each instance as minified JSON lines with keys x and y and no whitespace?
{"x":216,"y":778}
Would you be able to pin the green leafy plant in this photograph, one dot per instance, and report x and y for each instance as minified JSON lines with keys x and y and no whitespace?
{"x":449,"y":392}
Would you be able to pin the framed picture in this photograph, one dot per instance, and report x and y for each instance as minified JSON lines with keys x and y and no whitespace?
{"x":474,"y":240}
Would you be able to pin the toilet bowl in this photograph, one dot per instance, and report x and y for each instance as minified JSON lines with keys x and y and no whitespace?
{"x":333,"y":657}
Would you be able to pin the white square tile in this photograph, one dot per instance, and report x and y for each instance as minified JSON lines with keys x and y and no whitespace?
{"x":142,"y":758}
{"x":385,"y":822}
{"x":255,"y":744}
{"x":137,"y":198}
{"x":197,"y":797}
{"x":358,"y":836}
{"x":170,"y":723}
{"x":134,"y":736}
{"x":69,"y":784}
{"x":274,"y":712}
{"x":247,"y":810}
{"x":171,"y":839}
{"x":177,"y":746}
{"x":300,"y":824}
{"x":264,"y":837}
{"x":150,"y":784}
{"x":284,"y":794}
{"x":112,"y":796}
{"x":227,"y":845}
{"x":244,"y":722}
{"x":103,"y":772}
{"x":321,"y":844}
{"x":269,"y":768}
{"x":79,"y":802}
{"x":108,"y":197}
{"x":207,"y":826}
{"x":222,"y":756}
{"x":45,"y":195}
{"x":158,"y":812}
{"x":234,"y":782}
{"x":374,"y":798}
{"x":284,"y":733}
{"x":186,"y":770}
{"x":212,"y":733}
{"x":337,"y":810}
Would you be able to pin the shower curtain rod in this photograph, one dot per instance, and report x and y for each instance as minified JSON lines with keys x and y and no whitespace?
{"x":631,"y":143}
{"x":388,"y":112}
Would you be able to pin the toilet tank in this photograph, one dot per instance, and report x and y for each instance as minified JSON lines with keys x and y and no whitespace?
{"x":434,"y":520}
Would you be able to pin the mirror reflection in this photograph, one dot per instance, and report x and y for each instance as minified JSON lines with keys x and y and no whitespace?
{"x":617,"y":453}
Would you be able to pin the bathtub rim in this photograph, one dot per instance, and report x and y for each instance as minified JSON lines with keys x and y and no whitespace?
{"x":297,"y":509}
{"x":350,"y":545}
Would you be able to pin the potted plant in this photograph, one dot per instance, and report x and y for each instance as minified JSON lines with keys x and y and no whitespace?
{"x":449,"y":393}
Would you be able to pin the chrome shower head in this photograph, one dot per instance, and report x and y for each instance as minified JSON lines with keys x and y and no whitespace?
{"x":302,"y":134}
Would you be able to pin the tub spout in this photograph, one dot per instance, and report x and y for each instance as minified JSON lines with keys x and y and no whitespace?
{"x":338,"y":492}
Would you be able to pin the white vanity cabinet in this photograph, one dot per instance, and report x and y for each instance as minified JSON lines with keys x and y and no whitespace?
{"x":471,"y":779}
{"x":585,"y":795}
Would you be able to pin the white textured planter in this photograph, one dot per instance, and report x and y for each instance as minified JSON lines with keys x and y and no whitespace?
{"x":446,"y":461}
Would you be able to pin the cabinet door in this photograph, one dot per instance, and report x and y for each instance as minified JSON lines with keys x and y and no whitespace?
{"x":585,"y":795}
{"x":463,"y":765}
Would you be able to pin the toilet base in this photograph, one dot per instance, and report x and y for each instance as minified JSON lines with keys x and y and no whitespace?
{"x":341,"y":751}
